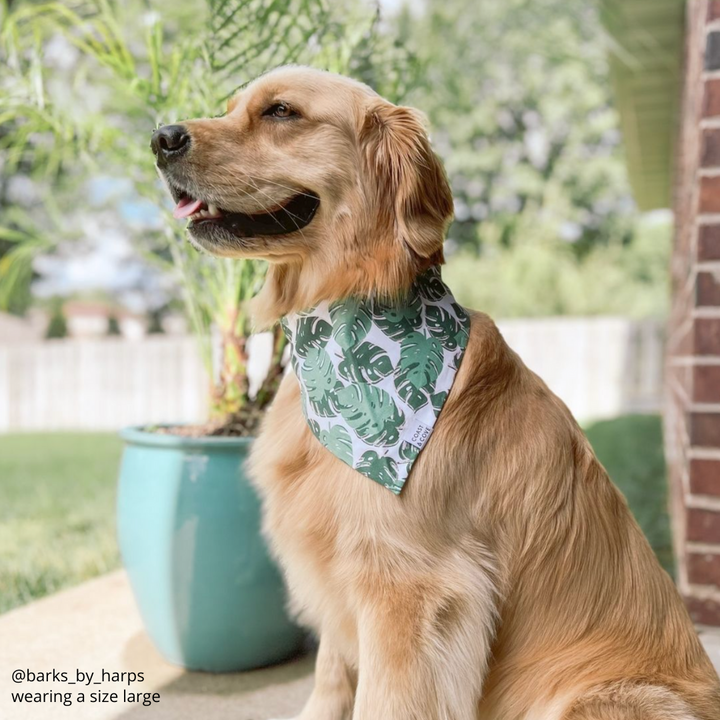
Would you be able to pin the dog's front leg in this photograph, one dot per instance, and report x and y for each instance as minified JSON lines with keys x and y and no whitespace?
{"x":334,"y":691}
{"x":424,"y":651}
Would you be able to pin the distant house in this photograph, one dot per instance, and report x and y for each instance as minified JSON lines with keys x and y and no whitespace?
{"x":86,"y":319}
{"x":665,"y":62}
{"x":91,"y":319}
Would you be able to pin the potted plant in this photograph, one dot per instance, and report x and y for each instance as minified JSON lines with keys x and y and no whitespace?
{"x":188,"y":518}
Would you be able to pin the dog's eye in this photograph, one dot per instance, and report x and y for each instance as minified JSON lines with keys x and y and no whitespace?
{"x":279,"y":110}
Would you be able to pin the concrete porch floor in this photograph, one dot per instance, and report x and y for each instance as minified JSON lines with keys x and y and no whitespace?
{"x":96,"y":626}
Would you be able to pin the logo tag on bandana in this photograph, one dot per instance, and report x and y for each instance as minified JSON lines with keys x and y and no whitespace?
{"x":375,"y":375}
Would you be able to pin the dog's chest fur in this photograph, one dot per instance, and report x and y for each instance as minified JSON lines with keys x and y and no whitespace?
{"x":338,"y":536}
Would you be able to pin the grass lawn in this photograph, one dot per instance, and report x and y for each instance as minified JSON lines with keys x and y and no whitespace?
{"x":631,"y":449}
{"x":57,"y":501}
{"x":57,"y":511}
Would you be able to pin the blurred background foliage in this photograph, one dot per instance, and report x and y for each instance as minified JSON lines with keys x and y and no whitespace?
{"x":517,"y":94}
{"x":520,"y":104}
{"x":86,"y":83}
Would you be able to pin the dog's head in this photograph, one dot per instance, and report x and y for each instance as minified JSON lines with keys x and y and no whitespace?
{"x":336,"y":187}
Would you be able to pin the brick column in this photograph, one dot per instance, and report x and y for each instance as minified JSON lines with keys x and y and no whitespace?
{"x":692,"y":413}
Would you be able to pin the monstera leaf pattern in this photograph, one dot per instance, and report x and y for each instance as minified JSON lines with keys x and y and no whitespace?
{"x":408,"y":452}
{"x":375,"y":374}
{"x":431,"y":287}
{"x":443,"y":326}
{"x":338,"y":441}
{"x":350,"y":322}
{"x":310,"y":333}
{"x":319,"y":381}
{"x":371,"y":413}
{"x":383,"y":468}
{"x":438,"y":400}
{"x":366,"y":363}
{"x":421,"y":360}
{"x":398,"y":319}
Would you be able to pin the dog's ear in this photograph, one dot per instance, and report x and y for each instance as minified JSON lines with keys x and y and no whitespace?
{"x":411,"y":185}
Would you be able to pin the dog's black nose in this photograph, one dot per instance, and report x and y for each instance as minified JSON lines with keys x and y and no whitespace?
{"x":169,"y":142}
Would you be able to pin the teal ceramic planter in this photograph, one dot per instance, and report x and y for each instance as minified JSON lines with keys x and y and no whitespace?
{"x":189,"y":532}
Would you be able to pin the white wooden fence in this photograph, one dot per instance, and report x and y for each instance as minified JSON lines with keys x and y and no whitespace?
{"x":100,"y":384}
{"x":601,"y":367}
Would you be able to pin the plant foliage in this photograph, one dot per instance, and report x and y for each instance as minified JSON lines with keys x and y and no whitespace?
{"x":140,"y":65}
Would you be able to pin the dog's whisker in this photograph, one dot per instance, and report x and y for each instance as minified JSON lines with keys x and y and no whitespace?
{"x":277,"y":221}
{"x":255,"y":178}
{"x":294,"y":218}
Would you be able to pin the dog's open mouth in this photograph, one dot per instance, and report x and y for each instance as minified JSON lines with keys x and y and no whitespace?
{"x":292,"y":215}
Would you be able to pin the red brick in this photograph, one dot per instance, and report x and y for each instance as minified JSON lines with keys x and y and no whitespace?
{"x":708,"y":289}
{"x":709,"y":242}
{"x":706,"y":383}
{"x":710,"y":153}
{"x":707,"y":336}
{"x":710,"y":194}
{"x":705,"y":477}
{"x":703,"y":569}
{"x":703,"y":612}
{"x":704,"y":429}
{"x":713,"y":10}
{"x":703,"y":525}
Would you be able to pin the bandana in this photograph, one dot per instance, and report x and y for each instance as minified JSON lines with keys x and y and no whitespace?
{"x":375,"y":375}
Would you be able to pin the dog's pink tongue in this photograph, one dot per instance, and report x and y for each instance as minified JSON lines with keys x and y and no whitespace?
{"x":186,"y":207}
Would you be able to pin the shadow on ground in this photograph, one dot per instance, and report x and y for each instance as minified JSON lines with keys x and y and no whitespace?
{"x":276,"y":691}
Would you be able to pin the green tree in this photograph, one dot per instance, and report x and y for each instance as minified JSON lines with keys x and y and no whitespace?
{"x":155,"y":326}
{"x":57,"y":325}
{"x":113,"y":326}
{"x":518,"y":95}
{"x":541,"y":275}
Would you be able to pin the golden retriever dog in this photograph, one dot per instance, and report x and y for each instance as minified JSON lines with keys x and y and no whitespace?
{"x":508,"y":580}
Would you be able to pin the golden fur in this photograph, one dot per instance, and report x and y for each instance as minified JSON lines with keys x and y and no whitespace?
{"x":509,"y":580}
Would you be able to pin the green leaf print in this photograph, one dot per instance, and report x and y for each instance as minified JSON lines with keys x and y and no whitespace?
{"x":421,"y":360}
{"x":464,"y":319}
{"x":431,"y":286}
{"x":438,"y":400}
{"x":408,"y":452}
{"x":286,"y":329}
{"x":319,"y":379}
{"x":412,"y":395}
{"x":337,"y":440}
{"x":442,"y":325}
{"x":368,"y":363}
{"x":367,"y":367}
{"x":311,"y":332}
{"x":371,"y":413}
{"x":380,"y":469}
{"x":351,"y":322}
{"x":397,"y":320}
